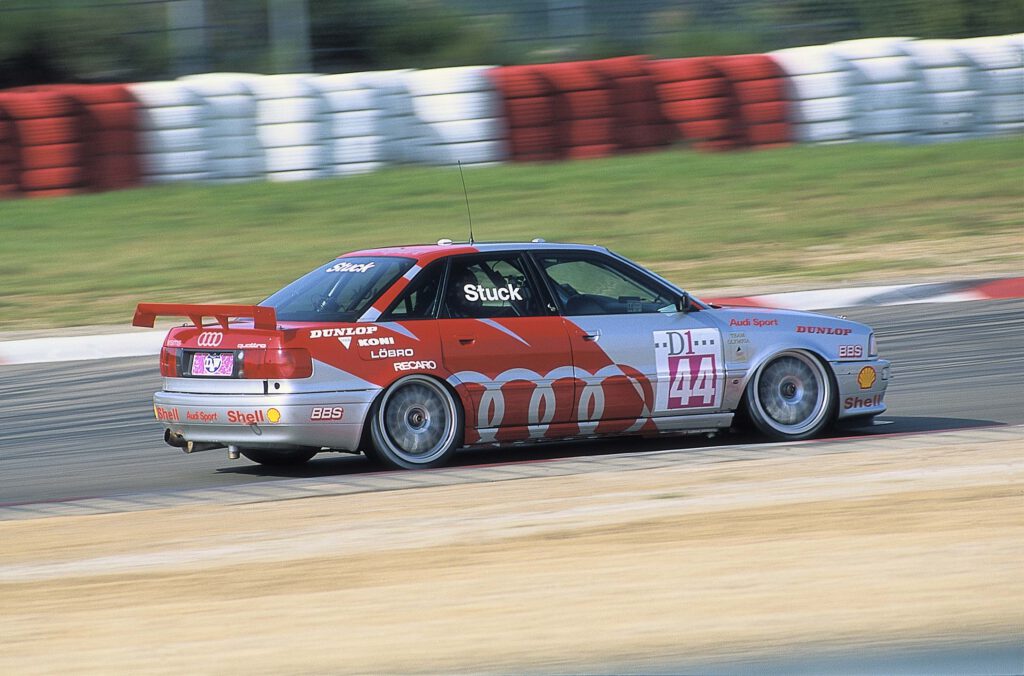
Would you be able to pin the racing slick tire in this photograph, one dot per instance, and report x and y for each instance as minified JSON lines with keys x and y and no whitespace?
{"x":278,"y":457}
{"x":416,"y":424}
{"x":791,"y":397}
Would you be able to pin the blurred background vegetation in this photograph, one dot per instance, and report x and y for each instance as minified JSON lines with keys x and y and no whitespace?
{"x":123,"y":40}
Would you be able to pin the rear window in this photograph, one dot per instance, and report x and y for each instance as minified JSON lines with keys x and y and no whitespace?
{"x":338,"y":291}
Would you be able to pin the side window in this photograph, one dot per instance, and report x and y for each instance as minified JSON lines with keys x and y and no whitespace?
{"x":419,"y":299}
{"x":490,"y":287}
{"x":588,"y":285}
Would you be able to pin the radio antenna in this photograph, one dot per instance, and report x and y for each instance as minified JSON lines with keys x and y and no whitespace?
{"x":466,"y":192}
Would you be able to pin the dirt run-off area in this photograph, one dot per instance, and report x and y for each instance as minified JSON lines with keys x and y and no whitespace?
{"x":880,"y":547}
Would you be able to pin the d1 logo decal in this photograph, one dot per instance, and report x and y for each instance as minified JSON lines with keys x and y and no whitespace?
{"x":688,"y":369}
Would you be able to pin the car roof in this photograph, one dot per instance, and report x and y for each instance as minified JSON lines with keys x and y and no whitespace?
{"x":425,"y":253}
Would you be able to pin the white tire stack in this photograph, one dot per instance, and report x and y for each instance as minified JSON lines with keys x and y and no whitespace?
{"x":355,"y":140}
{"x":406,"y":137}
{"x":463,"y":115}
{"x":171,"y":122}
{"x":999,"y":81}
{"x":292,"y":127}
{"x":886,"y":88}
{"x":819,"y":86}
{"x":229,"y":126}
{"x":948,"y":102}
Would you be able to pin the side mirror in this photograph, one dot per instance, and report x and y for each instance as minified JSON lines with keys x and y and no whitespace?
{"x":683,"y":303}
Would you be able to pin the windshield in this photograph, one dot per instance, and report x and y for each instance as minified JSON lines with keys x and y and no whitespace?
{"x":338,"y":291}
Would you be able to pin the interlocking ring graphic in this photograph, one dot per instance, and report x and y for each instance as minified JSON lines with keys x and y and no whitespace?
{"x":210,"y":339}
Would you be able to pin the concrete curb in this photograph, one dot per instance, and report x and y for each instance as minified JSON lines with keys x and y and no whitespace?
{"x":146,"y":343}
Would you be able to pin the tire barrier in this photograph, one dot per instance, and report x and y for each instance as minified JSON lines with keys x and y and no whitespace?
{"x":948,"y":106}
{"x":460,"y":109}
{"x":584,"y":119}
{"x":998,"y":82}
{"x":172,"y":144}
{"x":819,"y":91}
{"x":229,"y":127}
{"x":45,"y":131}
{"x":886,"y":89}
{"x":406,"y":137}
{"x":234,"y":153}
{"x":356,"y":135}
{"x":696,"y":97}
{"x":761,"y":108}
{"x":638,"y":122}
{"x":528,"y":111}
{"x":291,"y":125}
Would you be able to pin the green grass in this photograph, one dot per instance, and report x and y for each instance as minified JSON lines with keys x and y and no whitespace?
{"x":802,"y":214}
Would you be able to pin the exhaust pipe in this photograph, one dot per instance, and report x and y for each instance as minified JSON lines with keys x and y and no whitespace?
{"x":178,"y":441}
{"x":198,"y":446}
{"x":172,"y":439}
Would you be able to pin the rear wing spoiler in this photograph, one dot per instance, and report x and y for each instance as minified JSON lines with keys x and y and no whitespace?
{"x":263,"y":317}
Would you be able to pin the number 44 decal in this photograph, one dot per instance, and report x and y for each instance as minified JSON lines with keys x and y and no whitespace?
{"x":688,"y":363}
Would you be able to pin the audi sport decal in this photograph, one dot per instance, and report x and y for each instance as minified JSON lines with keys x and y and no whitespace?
{"x":688,"y":364}
{"x":753,"y":321}
{"x":201,"y":416}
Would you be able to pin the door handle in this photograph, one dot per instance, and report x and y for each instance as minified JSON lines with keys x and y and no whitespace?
{"x":592,"y":336}
{"x":466,"y":340}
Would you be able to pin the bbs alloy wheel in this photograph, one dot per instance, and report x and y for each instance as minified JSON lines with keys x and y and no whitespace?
{"x":791,"y":397}
{"x":416,"y":424}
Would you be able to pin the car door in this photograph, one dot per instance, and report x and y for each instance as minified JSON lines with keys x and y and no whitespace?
{"x":638,"y":358}
{"x":503,"y":341}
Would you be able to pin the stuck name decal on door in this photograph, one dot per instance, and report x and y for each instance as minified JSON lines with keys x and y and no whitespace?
{"x":688,"y":362}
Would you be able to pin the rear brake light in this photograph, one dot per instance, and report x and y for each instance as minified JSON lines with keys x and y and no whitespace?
{"x":169,"y":362}
{"x":277,"y":364}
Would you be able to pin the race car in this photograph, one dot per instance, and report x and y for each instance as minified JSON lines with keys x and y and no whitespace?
{"x":408,"y":353}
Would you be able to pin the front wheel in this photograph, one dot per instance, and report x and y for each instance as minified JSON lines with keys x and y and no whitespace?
{"x":278,"y":457}
{"x":416,"y":424}
{"x":791,"y":397}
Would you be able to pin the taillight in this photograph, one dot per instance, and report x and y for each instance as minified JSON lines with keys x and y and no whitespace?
{"x":169,"y":361}
{"x":276,"y":364}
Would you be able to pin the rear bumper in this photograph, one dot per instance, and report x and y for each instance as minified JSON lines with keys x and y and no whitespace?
{"x":319,"y":419}
{"x":862,"y":386}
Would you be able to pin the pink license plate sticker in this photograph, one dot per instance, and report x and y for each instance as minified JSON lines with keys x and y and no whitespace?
{"x":217,"y":364}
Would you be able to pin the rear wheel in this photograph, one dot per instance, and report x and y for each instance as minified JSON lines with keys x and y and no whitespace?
{"x":791,"y":397}
{"x":416,"y":424}
{"x":278,"y":457}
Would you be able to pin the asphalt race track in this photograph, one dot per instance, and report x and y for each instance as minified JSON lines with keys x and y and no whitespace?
{"x":86,"y":429}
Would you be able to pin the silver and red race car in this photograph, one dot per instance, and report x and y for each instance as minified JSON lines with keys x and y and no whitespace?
{"x":409,"y":353}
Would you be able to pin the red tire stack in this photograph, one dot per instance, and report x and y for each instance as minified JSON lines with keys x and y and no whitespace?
{"x":8,"y":158}
{"x":48,"y":142}
{"x":696,"y":97}
{"x":529,"y":113}
{"x":758,"y":85}
{"x":583,"y":110}
{"x":639,"y":124}
{"x":109,"y":133}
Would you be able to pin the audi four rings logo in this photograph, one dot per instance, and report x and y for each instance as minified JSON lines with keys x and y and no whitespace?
{"x":210,"y":339}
